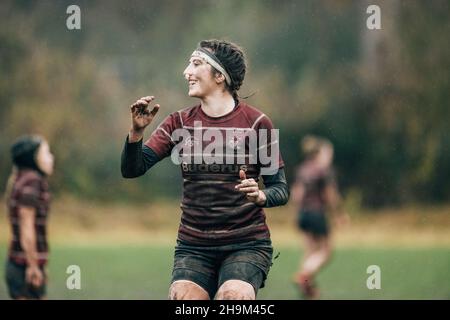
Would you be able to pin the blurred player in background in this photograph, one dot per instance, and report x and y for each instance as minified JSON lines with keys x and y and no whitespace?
{"x":316,"y":195}
{"x":28,"y":205}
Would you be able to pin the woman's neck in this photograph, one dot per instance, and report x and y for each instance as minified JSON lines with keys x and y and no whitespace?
{"x":218,"y":104}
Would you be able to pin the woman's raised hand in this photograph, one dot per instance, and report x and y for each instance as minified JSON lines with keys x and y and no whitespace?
{"x":141,"y":117}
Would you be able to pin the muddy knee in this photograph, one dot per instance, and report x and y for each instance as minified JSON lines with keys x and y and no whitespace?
{"x":187,"y":290}
{"x":236,"y":290}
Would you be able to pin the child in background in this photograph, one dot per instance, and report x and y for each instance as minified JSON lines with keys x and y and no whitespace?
{"x":28,"y":202}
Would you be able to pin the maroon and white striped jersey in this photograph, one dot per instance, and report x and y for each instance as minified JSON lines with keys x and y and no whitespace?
{"x":213,"y":212}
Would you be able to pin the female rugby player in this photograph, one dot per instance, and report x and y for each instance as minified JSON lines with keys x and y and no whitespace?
{"x":315,"y":193}
{"x":28,"y":205}
{"x":223,"y":247}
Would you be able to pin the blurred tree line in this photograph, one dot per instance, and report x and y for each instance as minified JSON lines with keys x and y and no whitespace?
{"x":381,"y":96}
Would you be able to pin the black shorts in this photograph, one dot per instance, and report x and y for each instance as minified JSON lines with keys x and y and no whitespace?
{"x":314,"y":222}
{"x":211,"y":266}
{"x":17,"y":286}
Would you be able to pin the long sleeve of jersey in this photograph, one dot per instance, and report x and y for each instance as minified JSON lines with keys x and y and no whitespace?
{"x":276,"y":189}
{"x":137,"y":159}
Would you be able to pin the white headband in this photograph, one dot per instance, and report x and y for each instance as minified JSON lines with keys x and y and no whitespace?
{"x":213,"y":63}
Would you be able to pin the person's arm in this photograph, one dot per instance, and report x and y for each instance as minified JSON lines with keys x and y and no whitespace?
{"x":276,"y":189}
{"x":275,"y":193}
{"x":297,"y":192}
{"x":28,"y":242}
{"x":332,"y":196}
{"x":334,"y":202}
{"x":136,"y":159}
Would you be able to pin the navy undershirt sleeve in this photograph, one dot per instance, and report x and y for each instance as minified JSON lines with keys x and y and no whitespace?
{"x":136,"y":159}
{"x":276,"y":189}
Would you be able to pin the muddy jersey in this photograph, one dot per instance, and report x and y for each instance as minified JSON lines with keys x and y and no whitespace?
{"x":211,"y":151}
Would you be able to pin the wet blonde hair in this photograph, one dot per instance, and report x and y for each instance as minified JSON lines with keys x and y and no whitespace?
{"x":310,"y":145}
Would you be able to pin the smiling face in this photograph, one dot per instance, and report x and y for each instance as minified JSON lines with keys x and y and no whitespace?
{"x":201,"y":78}
{"x":44,"y":158}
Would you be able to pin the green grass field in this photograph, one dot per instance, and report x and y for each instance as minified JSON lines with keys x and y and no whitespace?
{"x":125,"y":252}
{"x":143,"y":272}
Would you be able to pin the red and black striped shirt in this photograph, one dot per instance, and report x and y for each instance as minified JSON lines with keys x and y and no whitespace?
{"x":30,"y":189}
{"x":213,"y":212}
